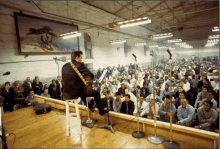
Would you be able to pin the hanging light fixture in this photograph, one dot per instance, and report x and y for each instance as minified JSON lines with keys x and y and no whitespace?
{"x":153,"y":46}
{"x":117,"y":41}
{"x":162,"y":47}
{"x":174,"y":40}
{"x":140,"y":44}
{"x":215,"y":29}
{"x":134,"y":22}
{"x":213,"y":36}
{"x":70,"y":35}
{"x":162,"y":35}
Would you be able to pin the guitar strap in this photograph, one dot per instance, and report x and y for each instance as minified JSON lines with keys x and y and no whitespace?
{"x":79,"y":74}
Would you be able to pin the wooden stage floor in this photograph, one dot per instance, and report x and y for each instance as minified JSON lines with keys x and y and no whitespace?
{"x":49,"y":131}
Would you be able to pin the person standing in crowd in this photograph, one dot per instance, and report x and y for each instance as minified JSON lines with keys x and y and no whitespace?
{"x":117,"y":103}
{"x":8,"y":93}
{"x":27,"y":86}
{"x":59,"y":83}
{"x":37,"y":86}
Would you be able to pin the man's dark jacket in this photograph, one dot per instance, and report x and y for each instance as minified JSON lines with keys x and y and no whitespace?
{"x":104,"y":103}
{"x":72,"y":84}
{"x":130,"y":107}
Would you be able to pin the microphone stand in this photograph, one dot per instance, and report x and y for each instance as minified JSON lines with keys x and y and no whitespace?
{"x":109,"y":125}
{"x":89,"y":123}
{"x":155,"y":139}
{"x":137,"y":134}
{"x":171,"y":144}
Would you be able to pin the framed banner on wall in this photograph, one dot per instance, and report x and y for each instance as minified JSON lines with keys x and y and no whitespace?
{"x":42,"y":36}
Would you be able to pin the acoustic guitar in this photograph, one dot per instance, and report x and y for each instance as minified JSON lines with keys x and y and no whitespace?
{"x":87,"y":81}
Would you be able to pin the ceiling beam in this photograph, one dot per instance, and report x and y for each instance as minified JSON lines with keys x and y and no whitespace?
{"x":152,"y":8}
{"x":122,"y":8}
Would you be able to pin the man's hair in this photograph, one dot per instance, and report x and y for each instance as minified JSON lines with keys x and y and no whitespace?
{"x":30,"y":91}
{"x":7,"y":83}
{"x":76,"y":54}
{"x":128,"y":95}
{"x":206,"y":86}
{"x":211,"y":91}
{"x":209,"y":102}
{"x":167,"y":84}
{"x":182,"y":93}
{"x":118,"y":93}
{"x":108,"y":92}
{"x":168,"y":96}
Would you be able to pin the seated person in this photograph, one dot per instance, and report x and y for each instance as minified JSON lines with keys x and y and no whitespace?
{"x":8,"y":93}
{"x":149,"y":110}
{"x":108,"y":100}
{"x":215,"y":84}
{"x":207,"y":116}
{"x":127,"y":105}
{"x":132,"y":97}
{"x":210,"y":95}
{"x":144,"y":91}
{"x":37,"y":86}
{"x":165,"y":92}
{"x":53,"y":90}
{"x":177,"y":101}
{"x":164,"y":110}
{"x":117,"y":103}
{"x":185,"y":113}
{"x":158,"y":99}
{"x":110,"y":87}
{"x":45,"y":94}
{"x":201,"y":95}
{"x":180,"y":89}
{"x":103,"y":91}
{"x":142,"y":107}
{"x":121,"y":90}
{"x":18,"y":90}
{"x":171,"y":82}
{"x":30,"y":97}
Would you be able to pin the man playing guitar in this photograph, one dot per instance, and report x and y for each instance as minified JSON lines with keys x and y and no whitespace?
{"x":73,"y":86}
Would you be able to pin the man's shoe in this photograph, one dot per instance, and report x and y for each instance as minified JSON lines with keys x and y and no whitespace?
{"x":15,"y":107}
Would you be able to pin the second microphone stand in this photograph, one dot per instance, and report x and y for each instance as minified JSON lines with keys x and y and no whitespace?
{"x":138,"y":134}
{"x":155,"y":139}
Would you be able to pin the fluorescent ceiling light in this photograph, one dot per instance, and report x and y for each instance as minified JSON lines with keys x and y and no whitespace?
{"x":117,"y":41}
{"x":174,"y":40}
{"x":162,"y":47}
{"x":72,"y":35}
{"x":215,"y":29}
{"x":162,"y":35}
{"x":140,"y":44}
{"x":153,"y":46}
{"x":213,"y":36}
{"x":136,"y":23}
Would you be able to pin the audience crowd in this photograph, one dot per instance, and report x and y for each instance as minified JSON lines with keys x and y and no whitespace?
{"x":191,"y":87}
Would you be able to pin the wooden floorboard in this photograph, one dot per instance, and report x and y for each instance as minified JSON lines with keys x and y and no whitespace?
{"x":49,"y":131}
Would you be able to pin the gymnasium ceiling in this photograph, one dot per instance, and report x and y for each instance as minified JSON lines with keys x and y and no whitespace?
{"x":191,"y":21}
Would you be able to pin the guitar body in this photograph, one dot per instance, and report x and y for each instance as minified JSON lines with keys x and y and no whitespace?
{"x":88,"y":89}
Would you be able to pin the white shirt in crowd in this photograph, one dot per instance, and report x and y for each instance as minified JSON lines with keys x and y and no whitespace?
{"x":152,"y":108}
{"x":30,"y":84}
{"x":215,"y":85}
{"x":142,"y":108}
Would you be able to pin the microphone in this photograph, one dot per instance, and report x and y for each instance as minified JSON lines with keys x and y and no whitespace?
{"x":169,"y":53}
{"x":7,"y":73}
{"x":134,"y":55}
